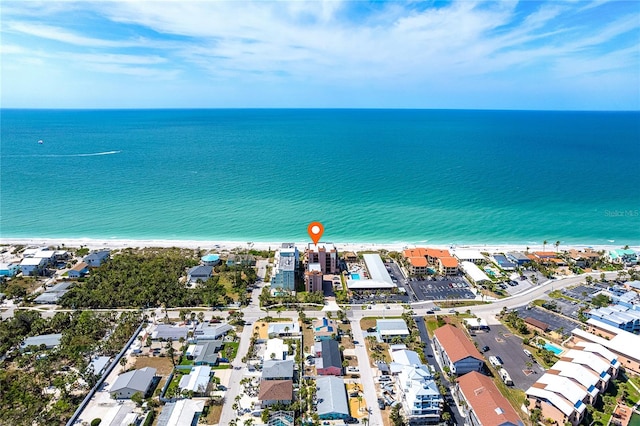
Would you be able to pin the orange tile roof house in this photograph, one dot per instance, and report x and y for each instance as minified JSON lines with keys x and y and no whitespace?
{"x":485,"y":405}
{"x":456,"y":350}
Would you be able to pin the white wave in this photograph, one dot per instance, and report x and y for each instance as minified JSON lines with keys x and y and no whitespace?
{"x":92,"y":154}
{"x":95,"y":153}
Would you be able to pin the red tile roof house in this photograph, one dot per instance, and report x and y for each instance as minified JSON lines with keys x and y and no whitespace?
{"x":274,"y":391}
{"x":456,"y":350}
{"x":485,"y":405}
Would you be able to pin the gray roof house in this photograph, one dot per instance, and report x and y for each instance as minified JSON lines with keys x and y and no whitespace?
{"x":167,"y":331}
{"x":96,"y":258}
{"x":205,"y":353}
{"x":200,"y":272}
{"x":54,"y":293}
{"x":330,"y":360}
{"x":133,"y":381}
{"x":207,"y":331}
{"x":49,"y":340}
{"x":275,"y":369}
{"x":332,"y":398}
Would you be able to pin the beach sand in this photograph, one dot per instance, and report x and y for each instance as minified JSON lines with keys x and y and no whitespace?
{"x":221,"y":246}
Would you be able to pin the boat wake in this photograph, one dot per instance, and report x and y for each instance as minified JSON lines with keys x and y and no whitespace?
{"x":92,"y":154}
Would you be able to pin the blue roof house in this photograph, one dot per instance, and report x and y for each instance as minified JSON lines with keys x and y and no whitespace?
{"x":96,"y":258}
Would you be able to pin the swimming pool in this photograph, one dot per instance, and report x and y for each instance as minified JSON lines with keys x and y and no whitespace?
{"x":355,"y":276}
{"x":553,"y":348}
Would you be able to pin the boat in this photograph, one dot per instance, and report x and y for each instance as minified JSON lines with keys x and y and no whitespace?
{"x":40,"y":141}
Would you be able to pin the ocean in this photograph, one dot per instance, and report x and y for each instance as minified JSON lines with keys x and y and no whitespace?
{"x":387,"y":176}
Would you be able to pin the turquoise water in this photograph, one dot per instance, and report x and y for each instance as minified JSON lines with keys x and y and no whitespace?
{"x":556,"y":350}
{"x":355,"y":276}
{"x":443,"y":177}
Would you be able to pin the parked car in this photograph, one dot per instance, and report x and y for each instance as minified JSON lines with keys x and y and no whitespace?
{"x":351,"y":420}
{"x":485,"y":348}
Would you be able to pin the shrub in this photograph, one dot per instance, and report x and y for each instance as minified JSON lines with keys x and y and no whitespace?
{"x":96,"y":422}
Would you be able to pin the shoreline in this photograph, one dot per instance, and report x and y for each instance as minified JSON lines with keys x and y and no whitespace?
{"x":226,"y":245}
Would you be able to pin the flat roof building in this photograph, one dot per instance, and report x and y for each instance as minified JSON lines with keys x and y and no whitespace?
{"x":286,"y":263}
{"x":468,"y":255}
{"x":376,"y":268}
{"x":474,"y":273}
{"x":387,"y":329}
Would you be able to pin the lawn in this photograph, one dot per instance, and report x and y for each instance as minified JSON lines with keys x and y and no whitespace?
{"x":213,"y":414}
{"x":230,"y":350}
{"x":307,"y":338}
{"x":432,"y":325}
{"x":173,"y":386}
{"x":367,"y":322}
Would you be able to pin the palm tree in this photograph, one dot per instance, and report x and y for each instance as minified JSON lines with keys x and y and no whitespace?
{"x":557,"y":244}
{"x":544,"y":245}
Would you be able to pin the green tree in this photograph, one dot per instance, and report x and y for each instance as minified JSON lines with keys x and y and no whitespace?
{"x":396,"y":417}
{"x":96,"y":422}
{"x":137,"y":398}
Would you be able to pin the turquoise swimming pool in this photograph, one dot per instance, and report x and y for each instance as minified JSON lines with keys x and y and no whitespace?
{"x":355,"y":276}
{"x":553,"y":348}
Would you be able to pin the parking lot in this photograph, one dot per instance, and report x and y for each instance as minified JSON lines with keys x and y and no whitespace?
{"x":509,"y":348}
{"x":441,"y":289}
{"x":556,"y":322}
{"x":582,"y":292}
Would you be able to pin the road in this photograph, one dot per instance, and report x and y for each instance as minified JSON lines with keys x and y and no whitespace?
{"x":366,"y":375}
{"x":428,"y":351}
{"x":251,"y":314}
{"x":489,"y":311}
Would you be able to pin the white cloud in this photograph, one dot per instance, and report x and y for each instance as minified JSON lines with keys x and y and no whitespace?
{"x":319,"y":44}
{"x":62,"y":35}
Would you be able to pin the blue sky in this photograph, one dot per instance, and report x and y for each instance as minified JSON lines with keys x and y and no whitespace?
{"x":582,"y":55}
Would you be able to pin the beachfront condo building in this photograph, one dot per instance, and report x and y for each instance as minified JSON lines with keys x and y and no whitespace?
{"x":326,"y":255}
{"x":321,"y":259}
{"x":286,"y":265}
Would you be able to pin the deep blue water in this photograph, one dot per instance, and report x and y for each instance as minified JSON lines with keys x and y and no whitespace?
{"x":440,"y":176}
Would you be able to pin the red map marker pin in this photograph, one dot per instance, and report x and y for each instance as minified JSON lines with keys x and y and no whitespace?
{"x":315,"y":230}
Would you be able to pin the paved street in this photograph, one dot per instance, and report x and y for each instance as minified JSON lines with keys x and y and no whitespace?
{"x":366,"y":375}
{"x":428,"y":351}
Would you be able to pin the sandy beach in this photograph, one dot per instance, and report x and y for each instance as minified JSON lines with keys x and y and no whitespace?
{"x":221,"y":246}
